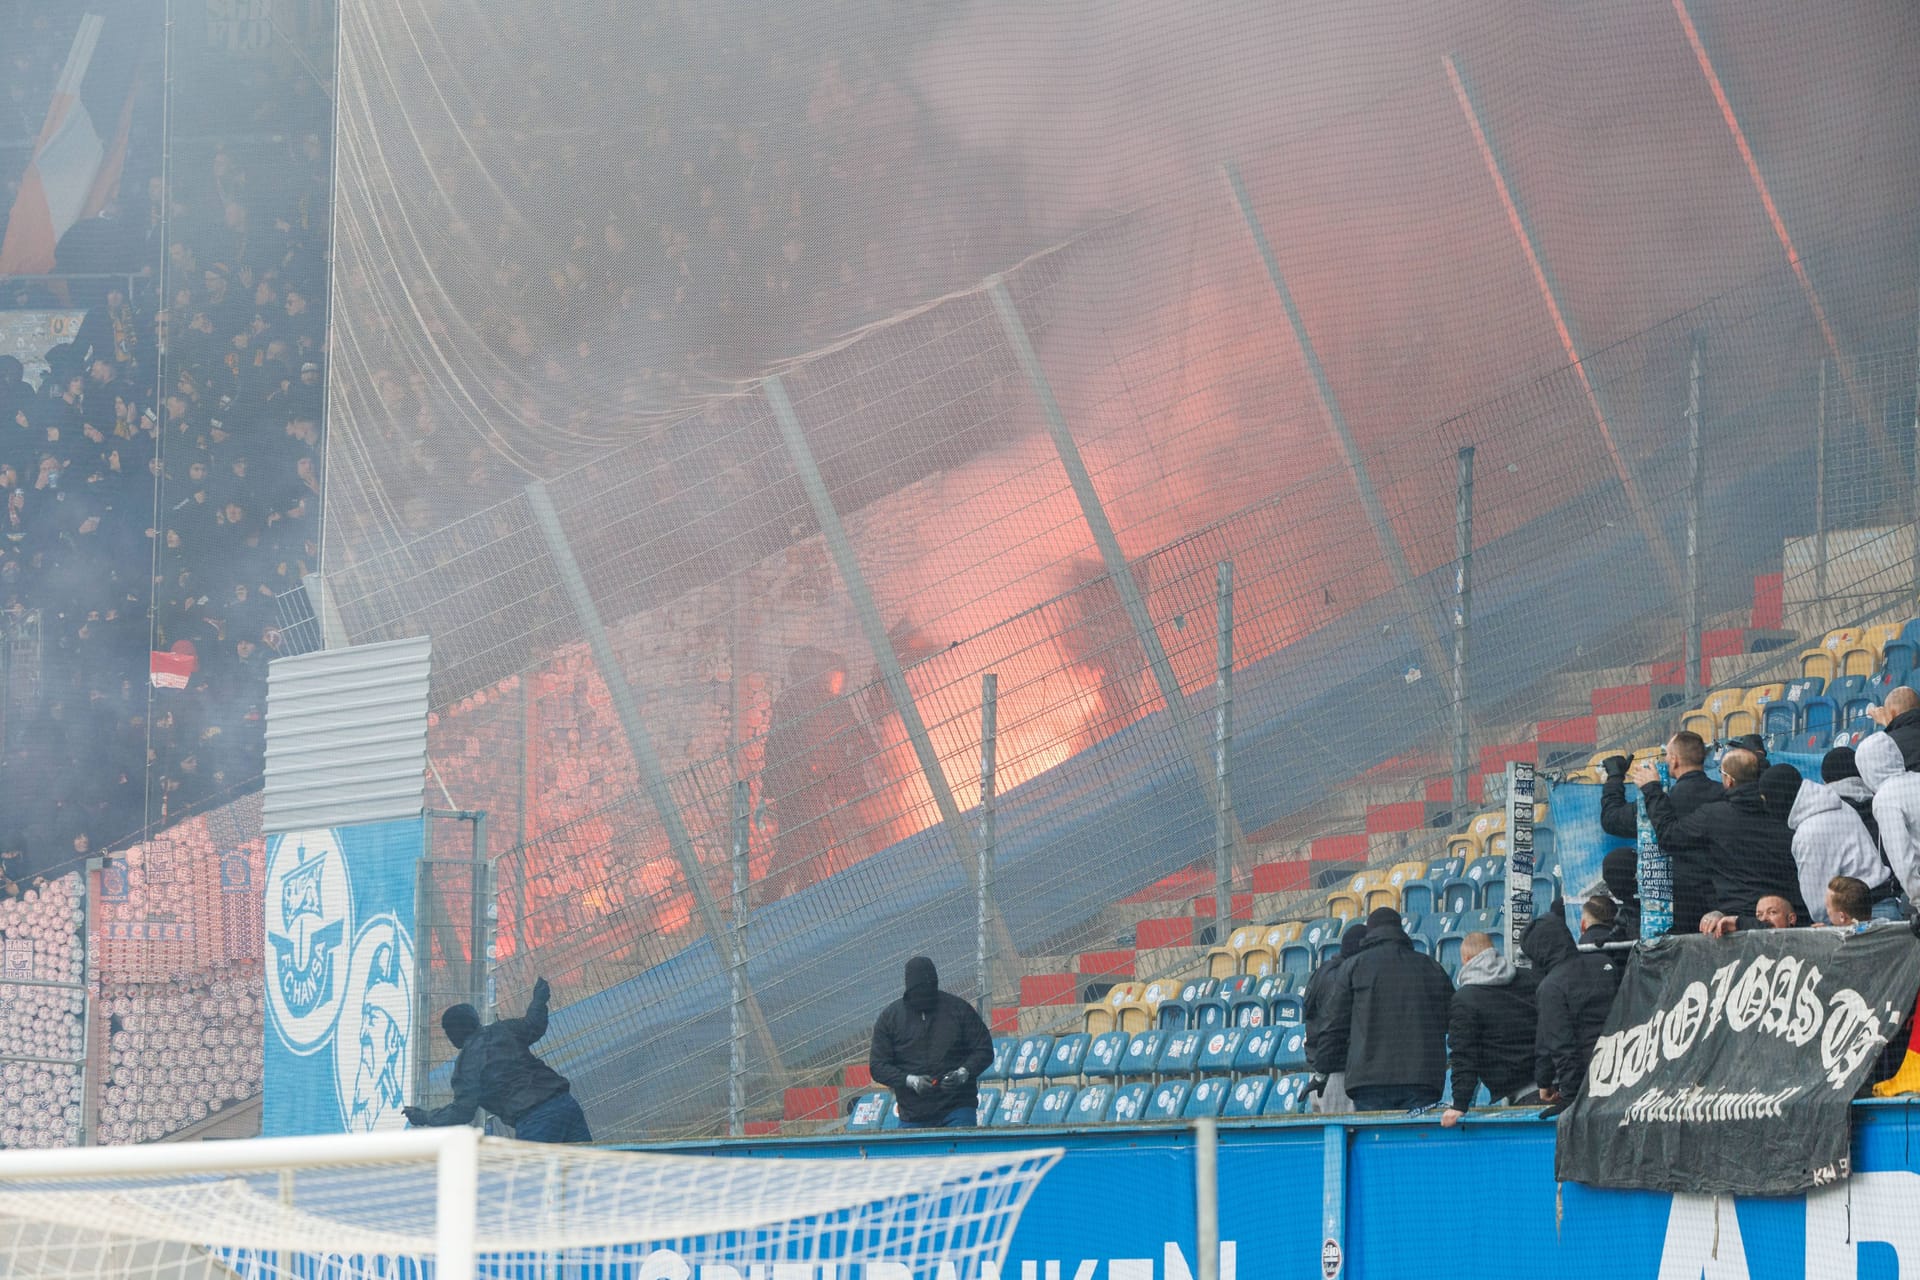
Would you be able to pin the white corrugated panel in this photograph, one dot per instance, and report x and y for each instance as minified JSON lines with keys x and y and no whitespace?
{"x":347,"y":735}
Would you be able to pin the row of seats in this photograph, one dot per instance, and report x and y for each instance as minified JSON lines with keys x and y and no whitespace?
{"x":1104,"y":1103}
{"x":1849,"y":651}
{"x":1156,"y":1054}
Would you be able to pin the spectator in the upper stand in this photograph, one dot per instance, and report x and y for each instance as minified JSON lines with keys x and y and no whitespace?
{"x":1840,"y":769}
{"x":1849,"y":902}
{"x":930,"y":1047}
{"x":1620,"y":872}
{"x":1828,"y":837}
{"x":1330,"y":1073}
{"x":1689,"y":788}
{"x":1896,"y":805}
{"x":1576,"y":991}
{"x":1744,"y":851}
{"x":1899,"y":715}
{"x":1490,"y":1029}
{"x":1387,"y":1020}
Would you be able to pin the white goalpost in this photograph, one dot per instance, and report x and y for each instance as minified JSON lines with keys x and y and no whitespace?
{"x":447,"y":1203}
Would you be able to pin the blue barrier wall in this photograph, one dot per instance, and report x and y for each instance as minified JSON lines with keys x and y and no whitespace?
{"x":1416,"y":1199}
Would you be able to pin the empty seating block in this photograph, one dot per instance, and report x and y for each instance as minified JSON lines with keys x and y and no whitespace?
{"x":1016,"y":1104}
{"x":1030,"y":1057}
{"x":1129,"y":1103}
{"x":1219,"y":1049}
{"x":1256,"y":1050}
{"x":1290,"y":1047}
{"x":1168,"y":1099}
{"x":1103,"y":1055}
{"x":1068,"y":1055}
{"x":1091,"y":1103}
{"x":983,"y":1111}
{"x":1206,"y":1099}
{"x":1143,"y":1051}
{"x":1288,"y":1096}
{"x":1106,"y":1015}
{"x":1247,"y":1098}
{"x":1179,"y":1053}
{"x":1053,"y":1105}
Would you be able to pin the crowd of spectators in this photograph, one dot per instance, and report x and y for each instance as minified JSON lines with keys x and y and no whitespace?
{"x":160,"y":482}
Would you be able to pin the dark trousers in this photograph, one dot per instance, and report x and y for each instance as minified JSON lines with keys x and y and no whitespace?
{"x":958,"y":1118}
{"x":1392,"y":1097}
{"x":558,"y":1119}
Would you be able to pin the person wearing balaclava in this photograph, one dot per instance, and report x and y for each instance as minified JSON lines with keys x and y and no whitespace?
{"x":929,"y":1047}
{"x":1620,"y":872}
{"x":497,"y":1071}
{"x":1329,"y":1072}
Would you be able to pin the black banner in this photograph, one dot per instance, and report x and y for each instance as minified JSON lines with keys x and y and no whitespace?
{"x":1727,"y":1065}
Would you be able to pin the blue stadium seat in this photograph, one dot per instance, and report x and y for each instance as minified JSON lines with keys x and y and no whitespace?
{"x":1843,"y":688}
{"x":1257,"y":1050}
{"x":1173,"y":1015}
{"x":1053,"y":1105}
{"x":891,"y":1118}
{"x":1290,"y":1047}
{"x":1460,"y":892}
{"x":1482,"y":870}
{"x":1179,"y":1054}
{"x":1819,"y":717}
{"x":870,"y":1112}
{"x":1090,"y":1105}
{"x":1545,"y":890}
{"x":1167,"y":1100}
{"x":1781,"y":716}
{"x":1249,"y":1095}
{"x":1238,"y":985}
{"x":1068,"y":1057}
{"x":1198,"y":989}
{"x":1803,"y":688}
{"x":1297,"y":957}
{"x":1288,"y":1097}
{"x":1210,"y":1013}
{"x":1143,"y":1051}
{"x":1030,"y":1057}
{"x":1421,"y":896}
{"x":1289,"y":1008}
{"x":1104,"y":1051}
{"x":1275,"y":984}
{"x":1129,"y":1103}
{"x":1493,"y":891}
{"x":1429,"y":927}
{"x":989,"y":1103}
{"x":1015,"y":1105}
{"x":1250,"y":1008}
{"x":1218,"y":1049}
{"x":1206,"y":1099}
{"x":1901,"y":657}
{"x":1003,"y":1047}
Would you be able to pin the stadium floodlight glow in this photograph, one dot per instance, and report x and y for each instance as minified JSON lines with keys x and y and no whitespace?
{"x":448,"y":1202}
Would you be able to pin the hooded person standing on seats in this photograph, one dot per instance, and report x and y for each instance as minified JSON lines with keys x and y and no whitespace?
{"x":1576,"y":991}
{"x":1330,"y":1074}
{"x":1828,"y":838}
{"x":929,"y":1047}
{"x":1620,"y":872}
{"x":1490,"y":1029}
{"x":1840,"y":769}
{"x":1896,"y":806}
{"x":1744,"y":851}
{"x":497,"y":1070}
{"x":1387,"y":1020}
{"x":1689,"y":788}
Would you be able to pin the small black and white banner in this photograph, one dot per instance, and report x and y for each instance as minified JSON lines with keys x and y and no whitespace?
{"x":1727,"y":1065}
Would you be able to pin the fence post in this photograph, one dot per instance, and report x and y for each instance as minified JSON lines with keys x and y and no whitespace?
{"x":1206,"y":1197}
{"x":1462,"y":628}
{"x":1223,"y":760}
{"x":737,"y":965}
{"x":987,"y":844}
{"x":1695,"y":486}
{"x":1820,"y":493}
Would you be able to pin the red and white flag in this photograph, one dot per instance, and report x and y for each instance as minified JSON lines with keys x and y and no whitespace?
{"x":74,"y":170}
{"x":171,"y":669}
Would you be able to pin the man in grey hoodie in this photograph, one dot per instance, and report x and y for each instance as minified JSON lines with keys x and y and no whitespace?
{"x":1828,"y":837}
{"x":1896,"y":806}
{"x":1490,"y":1029}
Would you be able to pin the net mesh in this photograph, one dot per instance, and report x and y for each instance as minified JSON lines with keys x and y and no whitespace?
{"x":539,"y":1211}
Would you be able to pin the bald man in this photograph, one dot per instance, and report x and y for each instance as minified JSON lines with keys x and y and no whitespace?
{"x":1745,"y":852}
{"x":1899,"y":715}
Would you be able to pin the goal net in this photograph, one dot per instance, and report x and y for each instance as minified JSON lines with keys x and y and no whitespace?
{"x":445,"y":1203}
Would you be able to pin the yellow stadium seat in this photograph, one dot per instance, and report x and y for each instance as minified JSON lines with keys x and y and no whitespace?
{"x":1761,"y":694}
{"x":1718,"y":703}
{"x":1343,"y":904}
{"x":1823,"y":660}
{"x":1251,"y":953}
{"x":1740,"y":720}
{"x":1383,"y":894}
{"x":1350,"y":902}
{"x":1401,"y":872}
{"x":1139,"y":1017}
{"x":1106,"y":1015}
{"x":1221,"y":962}
{"x":1700,"y":722}
{"x":1863,"y":656}
{"x":1279,"y":935}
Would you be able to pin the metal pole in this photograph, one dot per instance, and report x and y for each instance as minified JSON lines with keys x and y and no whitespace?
{"x":480,"y":968}
{"x":1223,"y":758}
{"x":1462,"y":627}
{"x":1206,"y":1197}
{"x":737,"y":966}
{"x":1112,"y":558}
{"x":89,"y":1083}
{"x":1389,"y":541}
{"x":1333,"y":1201}
{"x":1820,"y":494}
{"x":1695,"y":486}
{"x":861,"y":596}
{"x":1916,"y":447}
{"x":627,"y":711}
{"x":1642,"y":513}
{"x":988,"y":843}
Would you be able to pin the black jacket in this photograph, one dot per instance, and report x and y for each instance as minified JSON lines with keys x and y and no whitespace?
{"x":1576,"y":991}
{"x":1904,"y":729}
{"x":496,"y":1070}
{"x":1387,"y":1014}
{"x":908,"y":1042}
{"x":1746,"y":852}
{"x":1490,"y":1034}
{"x":1692,"y":889}
{"x":1313,"y":1010}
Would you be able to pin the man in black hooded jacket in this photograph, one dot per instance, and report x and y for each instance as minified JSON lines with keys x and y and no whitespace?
{"x":498,"y":1071}
{"x":1330,"y":1074}
{"x":1575,"y":994}
{"x":1387,"y":1020}
{"x":1899,"y":715}
{"x":1686,"y":755}
{"x":1745,"y":851}
{"x":1490,"y":1029}
{"x":929,"y":1047}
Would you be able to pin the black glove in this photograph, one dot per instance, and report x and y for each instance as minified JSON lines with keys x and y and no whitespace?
{"x":541,"y":990}
{"x":416,"y":1116}
{"x":1316,"y":1083}
{"x":1615,"y":767}
{"x":955,"y":1078}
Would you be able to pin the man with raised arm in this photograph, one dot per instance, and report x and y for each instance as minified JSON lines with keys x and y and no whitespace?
{"x":497,"y":1071}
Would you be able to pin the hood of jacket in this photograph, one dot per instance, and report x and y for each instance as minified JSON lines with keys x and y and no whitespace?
{"x":1547,"y":942}
{"x":1747,"y":797}
{"x":923,"y":985}
{"x":1854,"y":788}
{"x":1814,"y":798}
{"x":1487,"y":969}
{"x":1879,"y":760}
